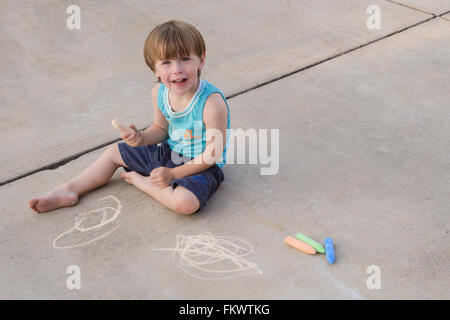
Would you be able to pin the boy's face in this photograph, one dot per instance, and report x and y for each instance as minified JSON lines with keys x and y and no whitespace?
{"x":180,"y":74}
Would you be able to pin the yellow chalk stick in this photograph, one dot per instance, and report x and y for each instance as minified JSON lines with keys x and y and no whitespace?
{"x":306,"y":248}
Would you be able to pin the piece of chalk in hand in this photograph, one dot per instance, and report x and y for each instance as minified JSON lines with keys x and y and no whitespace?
{"x":317,"y":246}
{"x":121,"y":127}
{"x":306,"y":248}
{"x":329,"y":250}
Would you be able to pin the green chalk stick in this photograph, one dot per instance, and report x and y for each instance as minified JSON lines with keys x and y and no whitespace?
{"x":311,"y":242}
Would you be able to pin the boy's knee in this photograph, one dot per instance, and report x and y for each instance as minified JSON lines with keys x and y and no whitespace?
{"x":112,"y":149}
{"x":184,"y":201}
{"x":114,"y":153}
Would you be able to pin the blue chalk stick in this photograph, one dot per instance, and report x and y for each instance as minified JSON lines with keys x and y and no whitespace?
{"x":329,"y":250}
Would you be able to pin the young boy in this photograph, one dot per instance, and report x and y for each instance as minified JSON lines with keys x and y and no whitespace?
{"x":188,"y":114}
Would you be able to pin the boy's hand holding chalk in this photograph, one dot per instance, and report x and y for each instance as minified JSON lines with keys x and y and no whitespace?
{"x":130,"y":135}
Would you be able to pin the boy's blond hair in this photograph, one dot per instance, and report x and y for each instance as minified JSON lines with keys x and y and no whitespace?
{"x":171,"y":40}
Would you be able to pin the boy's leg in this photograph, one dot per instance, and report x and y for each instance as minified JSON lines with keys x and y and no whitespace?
{"x":96,"y":175}
{"x":180,"y":199}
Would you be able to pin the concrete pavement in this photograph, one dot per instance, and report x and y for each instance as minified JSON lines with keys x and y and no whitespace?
{"x":82,"y":79}
{"x":435,"y":7}
{"x":362,"y":155}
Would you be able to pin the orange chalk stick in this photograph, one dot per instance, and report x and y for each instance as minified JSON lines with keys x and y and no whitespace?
{"x":300,"y":245}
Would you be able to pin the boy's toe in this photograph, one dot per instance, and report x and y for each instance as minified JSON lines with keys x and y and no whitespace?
{"x":32,"y":203}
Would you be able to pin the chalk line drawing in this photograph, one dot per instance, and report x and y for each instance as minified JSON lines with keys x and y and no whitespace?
{"x":209,"y":257}
{"x":88,"y":221}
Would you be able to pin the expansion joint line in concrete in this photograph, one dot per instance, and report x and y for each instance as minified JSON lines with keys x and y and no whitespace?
{"x":417,"y":9}
{"x":57,"y":164}
{"x":410,"y":7}
{"x":442,"y":15}
{"x":66,"y":160}
{"x":331,"y":58}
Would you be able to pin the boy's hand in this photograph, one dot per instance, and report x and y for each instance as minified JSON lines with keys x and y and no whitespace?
{"x":161,"y":176}
{"x":134,"y":138}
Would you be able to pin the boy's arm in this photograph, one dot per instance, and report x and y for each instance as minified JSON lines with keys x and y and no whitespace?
{"x":157,"y":132}
{"x":215,"y":119}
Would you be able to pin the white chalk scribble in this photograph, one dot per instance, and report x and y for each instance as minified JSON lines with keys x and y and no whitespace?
{"x":211,"y":257}
{"x":90,"y":226}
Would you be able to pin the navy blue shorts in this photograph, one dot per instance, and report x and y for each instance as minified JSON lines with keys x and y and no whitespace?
{"x":144,"y":159}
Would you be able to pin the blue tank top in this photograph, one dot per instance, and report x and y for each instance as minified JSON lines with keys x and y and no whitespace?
{"x":187,"y":132}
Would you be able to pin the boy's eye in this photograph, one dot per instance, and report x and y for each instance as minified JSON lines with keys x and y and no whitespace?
{"x":165,"y":62}
{"x":186,"y":59}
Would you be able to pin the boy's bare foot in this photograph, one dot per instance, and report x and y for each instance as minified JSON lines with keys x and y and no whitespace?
{"x":57,"y":198}
{"x":134,"y":178}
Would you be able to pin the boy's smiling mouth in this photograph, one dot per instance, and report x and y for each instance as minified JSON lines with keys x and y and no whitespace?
{"x":179,"y":82}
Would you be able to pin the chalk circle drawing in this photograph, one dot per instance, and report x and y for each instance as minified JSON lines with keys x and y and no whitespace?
{"x":209,"y":257}
{"x":90,"y":226}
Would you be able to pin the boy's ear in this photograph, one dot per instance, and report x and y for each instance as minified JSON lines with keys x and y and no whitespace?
{"x":156,"y":70}
{"x":202,"y":60}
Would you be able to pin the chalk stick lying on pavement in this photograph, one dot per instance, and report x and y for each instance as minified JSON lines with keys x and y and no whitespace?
{"x":306,"y":248}
{"x":317,"y":246}
{"x":121,"y":127}
{"x":329,"y":250}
